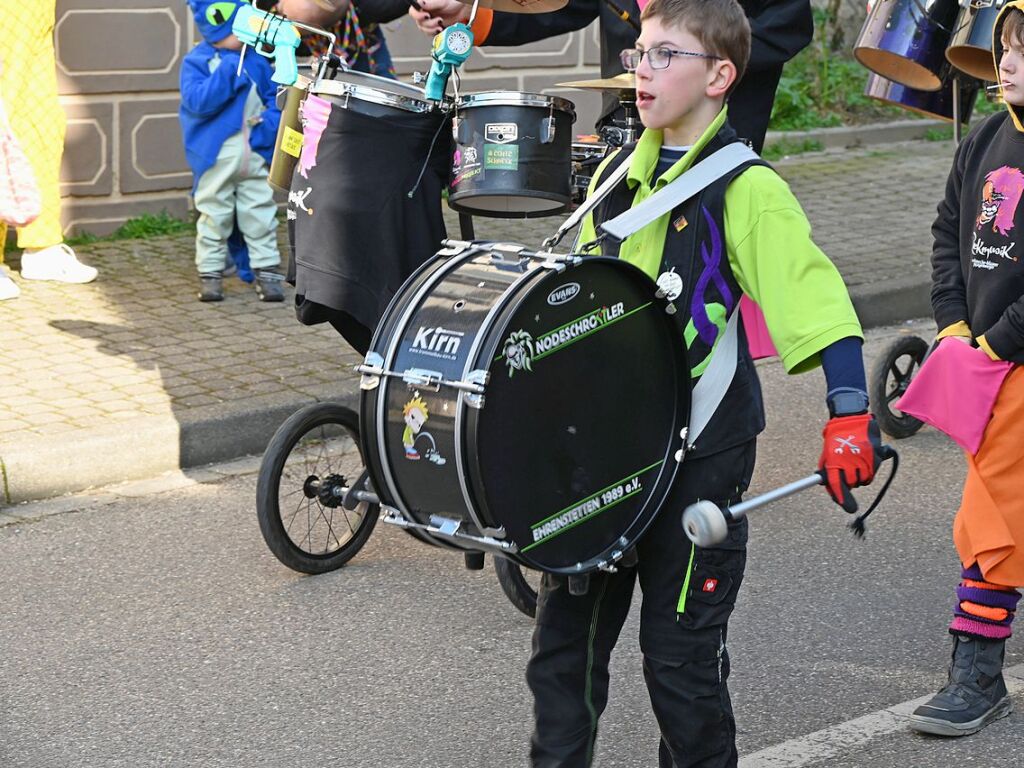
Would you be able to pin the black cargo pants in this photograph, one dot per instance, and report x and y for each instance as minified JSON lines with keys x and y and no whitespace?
{"x":688,"y":595}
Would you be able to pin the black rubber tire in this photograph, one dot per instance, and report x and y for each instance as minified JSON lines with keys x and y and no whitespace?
{"x":514,"y":584}
{"x":893,"y":371}
{"x":320,"y":422}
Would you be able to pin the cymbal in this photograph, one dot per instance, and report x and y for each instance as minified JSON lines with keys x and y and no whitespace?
{"x":621,"y":84}
{"x":521,"y":6}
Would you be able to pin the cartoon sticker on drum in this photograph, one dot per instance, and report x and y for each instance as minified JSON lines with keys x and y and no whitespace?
{"x":416,"y":414}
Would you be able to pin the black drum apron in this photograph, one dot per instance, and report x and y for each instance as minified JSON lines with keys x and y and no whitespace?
{"x":512,"y":154}
{"x":364,"y":207}
{"x":526,"y":404}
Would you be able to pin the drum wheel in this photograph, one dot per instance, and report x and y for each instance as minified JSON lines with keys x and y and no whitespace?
{"x":516,"y":585}
{"x":312,"y":459}
{"x":893,"y":371}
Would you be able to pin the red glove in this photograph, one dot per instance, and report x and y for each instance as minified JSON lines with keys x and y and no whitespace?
{"x":850,"y":456}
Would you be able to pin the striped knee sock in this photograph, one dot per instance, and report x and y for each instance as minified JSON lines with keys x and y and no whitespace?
{"x":983,"y":610}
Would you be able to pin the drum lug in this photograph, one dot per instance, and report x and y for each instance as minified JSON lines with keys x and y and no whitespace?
{"x":495,"y":533}
{"x":547,"y":130}
{"x":478,"y":378}
{"x":681,"y":453}
{"x":670,"y":308}
{"x":372,"y":368}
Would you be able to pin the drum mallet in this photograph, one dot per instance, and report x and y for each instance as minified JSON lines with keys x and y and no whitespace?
{"x":706,"y":524}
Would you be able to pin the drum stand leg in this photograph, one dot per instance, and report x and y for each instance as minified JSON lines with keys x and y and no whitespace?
{"x":466,"y":226}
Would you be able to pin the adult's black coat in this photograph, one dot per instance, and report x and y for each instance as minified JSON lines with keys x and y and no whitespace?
{"x":780,"y":29}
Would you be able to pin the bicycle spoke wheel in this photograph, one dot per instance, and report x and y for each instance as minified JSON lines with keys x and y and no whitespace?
{"x":309,"y":463}
{"x":893,"y":371}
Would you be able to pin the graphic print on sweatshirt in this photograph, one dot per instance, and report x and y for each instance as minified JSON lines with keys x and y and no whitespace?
{"x":1000,"y":196}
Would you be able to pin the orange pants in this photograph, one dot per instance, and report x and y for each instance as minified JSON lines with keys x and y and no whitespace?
{"x":989,"y":527}
{"x":28,"y":87}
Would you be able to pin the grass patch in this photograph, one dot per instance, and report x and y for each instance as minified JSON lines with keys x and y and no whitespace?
{"x":779,"y":149}
{"x":141,"y":227}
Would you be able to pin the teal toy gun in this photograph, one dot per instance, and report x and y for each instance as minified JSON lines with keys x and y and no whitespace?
{"x":451,"y":48}
{"x":260,"y":28}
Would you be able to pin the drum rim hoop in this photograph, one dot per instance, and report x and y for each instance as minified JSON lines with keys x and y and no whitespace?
{"x":503,"y":98}
{"x":372,"y":95}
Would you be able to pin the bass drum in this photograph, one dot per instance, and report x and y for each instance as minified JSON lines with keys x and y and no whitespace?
{"x":970,"y":48}
{"x":526,"y":404}
{"x":905,"y":40}
{"x":928,"y":103}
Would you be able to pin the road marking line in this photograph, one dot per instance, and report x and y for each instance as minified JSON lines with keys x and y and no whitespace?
{"x":838,"y":739}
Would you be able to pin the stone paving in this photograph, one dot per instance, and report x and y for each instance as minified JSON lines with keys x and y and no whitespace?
{"x":136,"y":347}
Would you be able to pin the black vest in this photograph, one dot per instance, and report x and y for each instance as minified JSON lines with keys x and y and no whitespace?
{"x":708,"y":293}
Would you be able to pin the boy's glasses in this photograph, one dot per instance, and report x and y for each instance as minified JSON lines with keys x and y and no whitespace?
{"x":659,"y":57}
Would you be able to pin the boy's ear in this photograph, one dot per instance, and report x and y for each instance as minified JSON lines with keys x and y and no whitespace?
{"x":723,"y":75}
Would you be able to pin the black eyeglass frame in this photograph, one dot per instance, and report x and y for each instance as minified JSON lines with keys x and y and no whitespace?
{"x":669,"y":52}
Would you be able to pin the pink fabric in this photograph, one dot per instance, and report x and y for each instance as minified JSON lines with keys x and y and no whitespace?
{"x":315,"y":111}
{"x":955,"y":390}
{"x":20,"y":200}
{"x":642,"y":4}
{"x":758,"y":339}
{"x":980,"y":628}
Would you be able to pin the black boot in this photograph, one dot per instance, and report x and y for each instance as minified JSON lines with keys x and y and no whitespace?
{"x":975,"y":694}
{"x":269,"y":285}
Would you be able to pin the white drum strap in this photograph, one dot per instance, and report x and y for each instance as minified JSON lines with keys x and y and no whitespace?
{"x":686,"y":186}
{"x":715,"y":381}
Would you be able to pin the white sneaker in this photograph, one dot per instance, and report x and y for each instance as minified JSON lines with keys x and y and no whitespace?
{"x":58,"y":262}
{"x":8,"y":288}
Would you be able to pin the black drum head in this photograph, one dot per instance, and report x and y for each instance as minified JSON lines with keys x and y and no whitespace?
{"x":589,"y":389}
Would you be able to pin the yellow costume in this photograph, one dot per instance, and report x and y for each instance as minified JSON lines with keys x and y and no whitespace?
{"x":28,"y":87}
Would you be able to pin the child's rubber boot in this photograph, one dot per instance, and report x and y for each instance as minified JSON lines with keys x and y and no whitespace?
{"x":975,"y":694}
{"x":269,"y":285}
{"x":211,"y":286}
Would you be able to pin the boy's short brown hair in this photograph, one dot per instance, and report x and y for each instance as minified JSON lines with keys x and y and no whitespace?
{"x":1013,"y":27}
{"x":720,"y":25}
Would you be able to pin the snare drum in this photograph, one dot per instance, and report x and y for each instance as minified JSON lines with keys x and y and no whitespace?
{"x":586,"y":156}
{"x":970,"y":48}
{"x":929,"y":103}
{"x":526,"y":404}
{"x":905,"y":41}
{"x":512,"y":154}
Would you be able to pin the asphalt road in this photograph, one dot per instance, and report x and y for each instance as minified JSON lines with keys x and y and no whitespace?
{"x":156,"y":629}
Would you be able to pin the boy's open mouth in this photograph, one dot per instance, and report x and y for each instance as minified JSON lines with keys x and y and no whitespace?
{"x":644,"y":99}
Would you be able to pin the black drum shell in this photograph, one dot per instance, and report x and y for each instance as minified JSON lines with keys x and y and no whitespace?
{"x":905,"y":41}
{"x":534,"y":454}
{"x":937,"y":104}
{"x":494,"y":175}
{"x":970,"y":47}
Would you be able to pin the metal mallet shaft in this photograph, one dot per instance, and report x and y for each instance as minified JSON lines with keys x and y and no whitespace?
{"x":706,"y":524}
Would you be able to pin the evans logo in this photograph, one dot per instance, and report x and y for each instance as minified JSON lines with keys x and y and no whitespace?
{"x":437,"y":342}
{"x":563,"y":293}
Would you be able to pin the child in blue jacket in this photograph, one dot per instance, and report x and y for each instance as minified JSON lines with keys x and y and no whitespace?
{"x":229,"y":123}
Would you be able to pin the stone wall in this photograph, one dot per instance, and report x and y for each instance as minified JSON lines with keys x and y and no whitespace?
{"x":118,"y":73}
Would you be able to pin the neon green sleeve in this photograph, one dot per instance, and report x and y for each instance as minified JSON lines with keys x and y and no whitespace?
{"x":805,"y":302}
{"x":588,"y":232}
